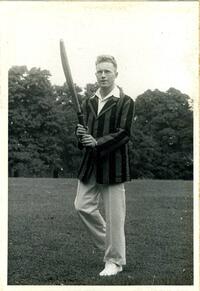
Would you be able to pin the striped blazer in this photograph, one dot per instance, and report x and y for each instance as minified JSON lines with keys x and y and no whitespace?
{"x":111,"y":128}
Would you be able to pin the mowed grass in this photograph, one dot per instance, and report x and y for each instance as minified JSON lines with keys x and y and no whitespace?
{"x":48,"y":245}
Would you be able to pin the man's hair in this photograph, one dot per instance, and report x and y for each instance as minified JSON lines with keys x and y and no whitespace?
{"x":106,"y":58}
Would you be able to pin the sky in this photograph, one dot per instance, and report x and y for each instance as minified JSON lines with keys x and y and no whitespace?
{"x":154,"y":43}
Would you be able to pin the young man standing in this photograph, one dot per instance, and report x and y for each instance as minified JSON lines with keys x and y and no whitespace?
{"x":105,"y":165}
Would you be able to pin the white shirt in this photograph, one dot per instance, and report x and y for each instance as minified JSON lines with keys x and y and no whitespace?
{"x":102,"y":101}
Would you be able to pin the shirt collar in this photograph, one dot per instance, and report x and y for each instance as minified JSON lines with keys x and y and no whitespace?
{"x":115,"y":92}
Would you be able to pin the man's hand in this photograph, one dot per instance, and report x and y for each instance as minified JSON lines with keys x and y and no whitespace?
{"x":88,"y":140}
{"x":80,"y":131}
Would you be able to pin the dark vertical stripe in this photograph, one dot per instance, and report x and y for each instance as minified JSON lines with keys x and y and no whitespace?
{"x":99,"y":132}
{"x":123,"y":168}
{"x":90,"y":123}
{"x":95,"y":126}
{"x":107,"y":121}
{"x":120,"y":113}
{"x":119,"y":104}
{"x":89,"y":164}
{"x":100,"y":169}
{"x":94,"y":102}
{"x":125,"y":113}
{"x":112,"y":167}
{"x":129,"y":117}
{"x":84,"y":162}
{"x":127,"y":162}
{"x":118,"y":167}
{"x":92,"y":127}
{"x":113,"y":119}
{"x":100,"y":127}
{"x":105,"y":169}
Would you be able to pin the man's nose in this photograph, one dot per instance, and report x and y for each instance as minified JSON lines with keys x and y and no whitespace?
{"x":103,"y":74}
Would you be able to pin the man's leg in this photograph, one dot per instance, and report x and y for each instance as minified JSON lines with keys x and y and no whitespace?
{"x":86,"y":204}
{"x":115,"y":209}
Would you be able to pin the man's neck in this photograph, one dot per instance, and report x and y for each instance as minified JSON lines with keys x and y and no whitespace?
{"x":105,"y":91}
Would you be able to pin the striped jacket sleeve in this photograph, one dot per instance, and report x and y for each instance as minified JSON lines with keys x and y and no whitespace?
{"x":113,"y":141}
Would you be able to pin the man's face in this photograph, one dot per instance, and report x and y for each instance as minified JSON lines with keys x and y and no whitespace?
{"x":106,"y":74}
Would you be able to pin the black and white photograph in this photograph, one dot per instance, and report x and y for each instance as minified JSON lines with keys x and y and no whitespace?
{"x":99,"y":105}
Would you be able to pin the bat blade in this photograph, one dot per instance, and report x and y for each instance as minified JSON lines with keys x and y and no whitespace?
{"x":68,"y":77}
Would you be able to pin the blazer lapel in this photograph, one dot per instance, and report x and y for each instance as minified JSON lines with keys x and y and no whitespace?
{"x":109,"y":104}
{"x":93,"y":103}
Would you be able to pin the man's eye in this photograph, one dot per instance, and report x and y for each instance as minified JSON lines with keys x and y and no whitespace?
{"x":105,"y":72}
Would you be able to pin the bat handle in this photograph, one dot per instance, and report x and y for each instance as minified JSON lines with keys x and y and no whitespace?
{"x":81,"y":118}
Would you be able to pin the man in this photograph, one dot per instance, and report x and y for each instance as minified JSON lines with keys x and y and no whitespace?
{"x":105,"y":165}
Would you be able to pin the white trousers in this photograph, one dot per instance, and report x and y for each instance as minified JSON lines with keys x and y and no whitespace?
{"x":107,"y":235}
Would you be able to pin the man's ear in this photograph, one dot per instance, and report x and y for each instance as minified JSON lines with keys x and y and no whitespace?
{"x":116,"y":74}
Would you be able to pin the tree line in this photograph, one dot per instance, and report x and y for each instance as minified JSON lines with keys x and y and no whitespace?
{"x":42,"y":122}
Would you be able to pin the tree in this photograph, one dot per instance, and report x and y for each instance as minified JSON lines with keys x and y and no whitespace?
{"x":162,"y":135}
{"x":34,"y":146}
{"x":90,"y":89}
{"x":68,"y":120}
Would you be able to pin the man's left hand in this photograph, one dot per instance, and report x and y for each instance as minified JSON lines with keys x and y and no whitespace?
{"x":88,"y":140}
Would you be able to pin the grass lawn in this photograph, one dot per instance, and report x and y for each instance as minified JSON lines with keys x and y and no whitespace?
{"x":48,"y":245}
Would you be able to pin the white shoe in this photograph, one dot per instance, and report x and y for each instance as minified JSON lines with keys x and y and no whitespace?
{"x":110,"y":269}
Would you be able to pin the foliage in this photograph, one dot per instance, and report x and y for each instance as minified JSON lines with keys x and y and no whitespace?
{"x":162,"y":136}
{"x":90,"y":89}
{"x":34,"y":123}
{"x":70,"y":155}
